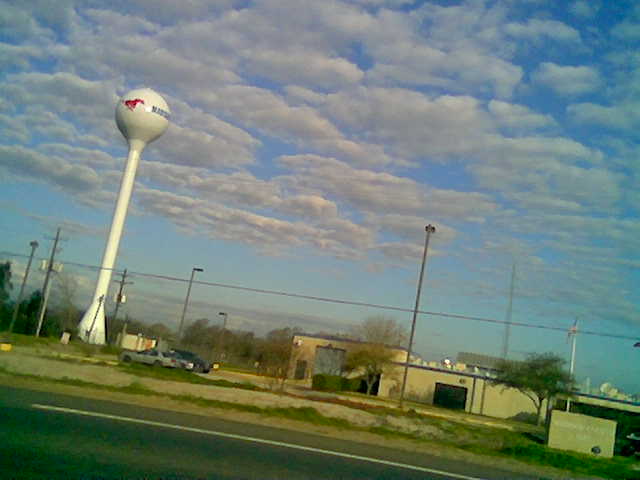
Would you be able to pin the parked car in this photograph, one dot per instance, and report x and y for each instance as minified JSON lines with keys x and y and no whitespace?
{"x":189,"y":358}
{"x":150,"y":357}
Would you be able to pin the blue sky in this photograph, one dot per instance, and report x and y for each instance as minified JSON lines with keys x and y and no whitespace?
{"x":310,"y":144}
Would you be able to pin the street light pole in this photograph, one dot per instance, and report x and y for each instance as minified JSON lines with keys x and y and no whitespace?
{"x":33,"y":244}
{"x":574,"y":333}
{"x":221,"y":341}
{"x":429,"y":229}
{"x":186,"y":300}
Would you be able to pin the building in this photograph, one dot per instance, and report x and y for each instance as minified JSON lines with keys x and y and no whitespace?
{"x":457,"y":389}
{"x":325,"y":354}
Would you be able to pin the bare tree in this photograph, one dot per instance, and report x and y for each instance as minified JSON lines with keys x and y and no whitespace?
{"x":374,"y":357}
{"x":370,"y":361}
{"x":275,"y":353}
{"x":382,"y":330}
{"x":64,"y":292}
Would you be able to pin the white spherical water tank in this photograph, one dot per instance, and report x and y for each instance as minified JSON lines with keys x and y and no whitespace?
{"x":143,"y":115}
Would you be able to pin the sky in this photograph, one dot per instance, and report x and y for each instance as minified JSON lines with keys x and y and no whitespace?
{"x":311,"y":142}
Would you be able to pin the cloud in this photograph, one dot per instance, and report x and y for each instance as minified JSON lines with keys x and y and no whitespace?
{"x":419,"y":50}
{"x":624,"y":116}
{"x":584,"y":8}
{"x":511,"y":115}
{"x":379,"y":191}
{"x":535,"y":30}
{"x":627,"y":31}
{"x":296,"y":65}
{"x":413,"y":124}
{"x":567,"y":80}
{"x":269,"y":235}
{"x":60,"y":173}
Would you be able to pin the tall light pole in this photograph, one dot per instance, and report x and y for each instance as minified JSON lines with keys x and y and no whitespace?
{"x":429,"y":229}
{"x":224,"y":328}
{"x":186,"y":300}
{"x":507,"y":326}
{"x":33,"y":244}
{"x":573,"y":333}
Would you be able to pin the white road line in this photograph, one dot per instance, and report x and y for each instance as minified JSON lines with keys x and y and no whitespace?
{"x":252,"y":439}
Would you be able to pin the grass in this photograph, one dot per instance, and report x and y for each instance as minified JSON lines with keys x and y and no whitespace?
{"x":28,"y":340}
{"x":474,"y":439}
{"x":179,"y":375}
{"x":617,"y":468}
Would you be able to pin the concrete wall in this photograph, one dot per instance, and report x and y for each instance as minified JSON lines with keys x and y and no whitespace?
{"x":482,"y":397}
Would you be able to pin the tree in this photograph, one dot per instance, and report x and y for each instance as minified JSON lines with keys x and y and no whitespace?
{"x":373,"y":357}
{"x":274,"y":353}
{"x":64,"y":292}
{"x":5,"y":289}
{"x":369,"y":360}
{"x":380,"y":329}
{"x":27,"y":317}
{"x":198,"y":334}
{"x":540,"y":377}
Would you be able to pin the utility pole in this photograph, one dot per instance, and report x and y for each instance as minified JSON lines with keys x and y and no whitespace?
{"x":507,"y":326}
{"x":33,"y":244}
{"x":573,"y":333}
{"x":429,"y":229}
{"x":186,"y":301}
{"x":46,"y":286}
{"x":119,"y":297}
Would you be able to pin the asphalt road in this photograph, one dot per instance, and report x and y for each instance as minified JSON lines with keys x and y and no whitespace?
{"x":49,"y":436}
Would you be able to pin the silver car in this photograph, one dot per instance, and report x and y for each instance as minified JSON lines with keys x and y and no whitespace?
{"x":150,"y":357}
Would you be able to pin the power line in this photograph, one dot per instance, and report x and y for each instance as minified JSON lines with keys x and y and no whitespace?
{"x":351,"y":302}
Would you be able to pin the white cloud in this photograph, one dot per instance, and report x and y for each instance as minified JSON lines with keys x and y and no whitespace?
{"x":625,"y":116}
{"x":381,"y":192}
{"x":585,"y":8}
{"x":536,"y":29}
{"x":567,"y":80}
{"x":511,"y":115}
{"x":627,"y":31}
{"x":413,"y":124}
{"x":296,"y":65}
{"x":420,"y":50}
{"x":58,"y":172}
{"x":273,"y":236}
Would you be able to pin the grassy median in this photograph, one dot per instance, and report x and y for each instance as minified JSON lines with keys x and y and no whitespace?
{"x":485,"y":441}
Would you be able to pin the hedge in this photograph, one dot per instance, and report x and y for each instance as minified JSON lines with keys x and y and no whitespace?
{"x":335,"y":383}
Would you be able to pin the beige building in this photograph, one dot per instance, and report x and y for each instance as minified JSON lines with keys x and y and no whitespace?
{"x":463,"y":386}
{"x":314,"y":354}
{"x":450,"y":388}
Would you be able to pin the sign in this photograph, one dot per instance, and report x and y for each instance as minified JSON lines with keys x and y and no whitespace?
{"x":582,"y":433}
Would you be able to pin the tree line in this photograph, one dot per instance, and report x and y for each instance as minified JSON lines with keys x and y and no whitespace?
{"x":62,"y":314}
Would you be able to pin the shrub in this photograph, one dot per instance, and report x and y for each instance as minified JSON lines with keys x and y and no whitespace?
{"x":350,"y":384}
{"x":329,"y":383}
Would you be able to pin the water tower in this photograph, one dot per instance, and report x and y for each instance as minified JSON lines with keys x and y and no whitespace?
{"x":142,"y":116}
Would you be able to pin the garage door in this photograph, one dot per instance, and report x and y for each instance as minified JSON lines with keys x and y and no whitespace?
{"x":450,"y":396}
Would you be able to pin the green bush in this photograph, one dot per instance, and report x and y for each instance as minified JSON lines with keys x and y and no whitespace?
{"x":350,"y":384}
{"x":327,"y":383}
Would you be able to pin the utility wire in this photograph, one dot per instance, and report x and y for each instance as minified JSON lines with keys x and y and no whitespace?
{"x":348,"y":302}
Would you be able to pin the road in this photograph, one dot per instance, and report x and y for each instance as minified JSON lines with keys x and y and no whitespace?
{"x":48,"y":436}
